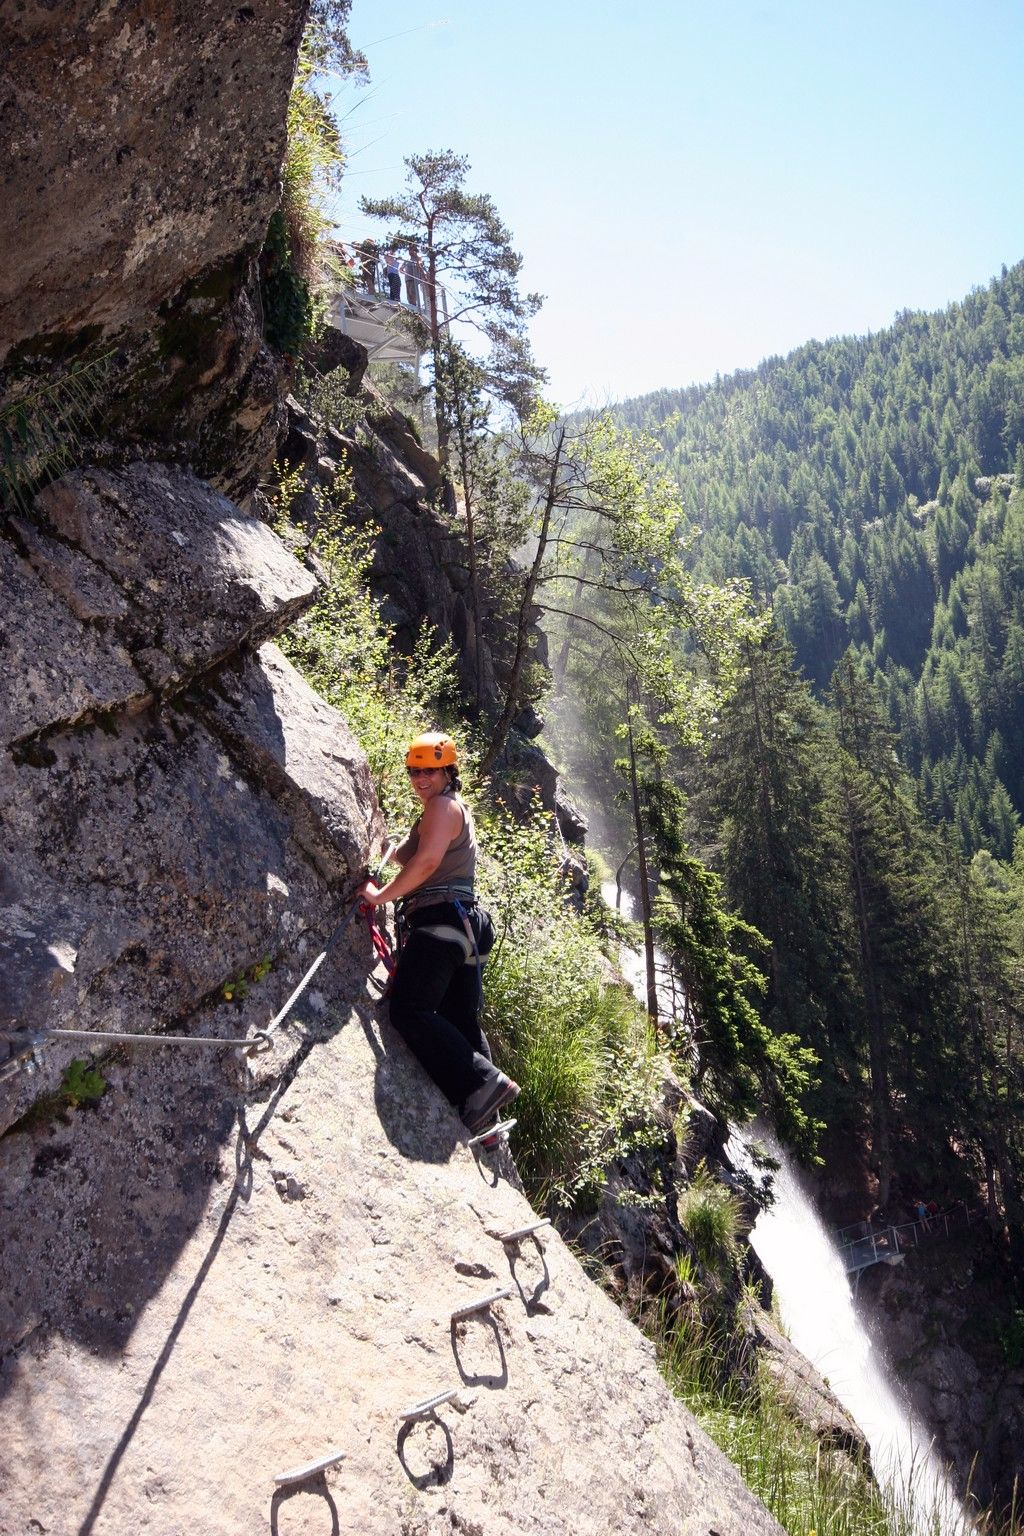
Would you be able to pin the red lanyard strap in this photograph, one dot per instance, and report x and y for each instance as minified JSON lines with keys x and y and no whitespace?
{"x":382,"y":948}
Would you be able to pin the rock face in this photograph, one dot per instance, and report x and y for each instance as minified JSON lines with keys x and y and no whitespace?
{"x":805,"y":1392}
{"x":145,"y":145}
{"x":940,"y":1318}
{"x":178,"y":806}
{"x":115,"y":192}
{"x":198,"y":1310}
{"x":207,"y":1276}
{"x":213,"y":1269}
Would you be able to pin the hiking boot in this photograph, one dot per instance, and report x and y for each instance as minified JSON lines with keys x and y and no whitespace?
{"x":483,"y":1104}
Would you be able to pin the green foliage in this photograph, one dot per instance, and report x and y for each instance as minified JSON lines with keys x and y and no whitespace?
{"x":237,"y":989}
{"x":684,"y":1269}
{"x":1012,"y":1340}
{"x":811,"y":1490}
{"x":465,"y":244}
{"x":82,"y":1084}
{"x":287,"y":299}
{"x":867,"y":487}
{"x":709,"y":1214}
{"x":346,"y":649}
{"x":744,"y":1065}
{"x":42,"y":428}
{"x":327,"y":41}
{"x":294,"y":259}
{"x":312,"y":167}
{"x":577,"y":1046}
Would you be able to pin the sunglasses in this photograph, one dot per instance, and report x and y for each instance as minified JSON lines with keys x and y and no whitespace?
{"x":416,"y":772}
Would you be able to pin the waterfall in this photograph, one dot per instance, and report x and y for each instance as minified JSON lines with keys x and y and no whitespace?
{"x":819,"y":1315}
{"x":631,"y":962}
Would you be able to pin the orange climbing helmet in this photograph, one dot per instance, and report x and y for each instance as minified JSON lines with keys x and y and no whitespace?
{"x":432,"y":750}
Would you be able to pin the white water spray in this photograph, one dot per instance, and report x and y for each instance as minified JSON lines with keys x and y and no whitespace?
{"x":818,"y":1313}
{"x":632,"y":963}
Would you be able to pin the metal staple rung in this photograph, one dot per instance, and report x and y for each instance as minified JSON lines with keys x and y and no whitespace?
{"x":429,"y":1404}
{"x":521,"y":1232}
{"x":299,"y":1474}
{"x":501,"y":1129}
{"x":482,"y":1304}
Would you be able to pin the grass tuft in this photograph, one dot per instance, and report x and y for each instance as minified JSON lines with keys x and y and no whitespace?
{"x":709,"y":1214}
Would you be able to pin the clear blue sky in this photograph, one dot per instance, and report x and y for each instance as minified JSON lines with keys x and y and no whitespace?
{"x":697,"y":184}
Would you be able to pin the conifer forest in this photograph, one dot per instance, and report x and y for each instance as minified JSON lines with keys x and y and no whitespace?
{"x":862,"y":795}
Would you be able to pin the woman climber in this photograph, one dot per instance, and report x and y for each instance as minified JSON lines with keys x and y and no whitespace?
{"x":436,"y":990}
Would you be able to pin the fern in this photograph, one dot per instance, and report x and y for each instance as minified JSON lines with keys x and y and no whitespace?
{"x":41,"y":432}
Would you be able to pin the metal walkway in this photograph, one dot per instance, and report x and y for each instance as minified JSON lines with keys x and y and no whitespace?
{"x":376,"y":323}
{"x":392,"y":329}
{"x":862,"y":1245}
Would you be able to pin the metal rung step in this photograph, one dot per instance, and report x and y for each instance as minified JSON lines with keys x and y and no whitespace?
{"x":483,"y":1303}
{"x":299,"y":1474}
{"x":521,"y":1232}
{"x":496,"y":1133}
{"x":418,"y":1410}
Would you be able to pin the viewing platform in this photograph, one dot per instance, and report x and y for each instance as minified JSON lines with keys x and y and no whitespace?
{"x":862,"y":1244}
{"x":377,"y":325}
{"x":386,"y":305}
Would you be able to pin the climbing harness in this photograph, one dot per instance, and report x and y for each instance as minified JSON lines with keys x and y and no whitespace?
{"x":458,"y":894}
{"x":471,"y":934}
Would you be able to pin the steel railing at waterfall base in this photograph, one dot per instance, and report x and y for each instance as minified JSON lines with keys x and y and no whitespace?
{"x":861,"y":1245}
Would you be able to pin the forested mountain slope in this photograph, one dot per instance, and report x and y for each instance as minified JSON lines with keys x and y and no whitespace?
{"x":871,"y":489}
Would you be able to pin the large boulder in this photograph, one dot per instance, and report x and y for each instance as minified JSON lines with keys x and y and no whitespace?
{"x":179,"y":806}
{"x":805,"y":1392}
{"x":144,"y":152}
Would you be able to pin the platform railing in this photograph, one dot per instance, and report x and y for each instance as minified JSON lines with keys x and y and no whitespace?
{"x":861,"y":1245}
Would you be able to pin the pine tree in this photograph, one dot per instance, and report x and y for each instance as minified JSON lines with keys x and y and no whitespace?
{"x":472,"y":275}
{"x":783,"y":857}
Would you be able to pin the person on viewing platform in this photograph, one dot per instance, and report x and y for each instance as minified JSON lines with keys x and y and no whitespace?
{"x":444,"y":934}
{"x":348,"y":261}
{"x":412,"y":270}
{"x":393,"y":273}
{"x":368,"y":254}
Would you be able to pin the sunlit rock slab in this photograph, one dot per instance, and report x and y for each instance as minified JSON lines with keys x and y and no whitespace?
{"x":253,"y":1326}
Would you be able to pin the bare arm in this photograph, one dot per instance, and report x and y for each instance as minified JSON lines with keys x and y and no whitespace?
{"x":439,"y":827}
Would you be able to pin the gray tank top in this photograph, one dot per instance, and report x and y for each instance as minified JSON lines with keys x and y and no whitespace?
{"x":458,"y":865}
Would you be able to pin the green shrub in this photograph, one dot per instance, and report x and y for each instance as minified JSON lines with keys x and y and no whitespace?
{"x":578,"y":1046}
{"x":684,"y":1269}
{"x":43,"y":427}
{"x":345,"y":650}
{"x":709,"y":1214}
{"x":295,"y":261}
{"x":81,"y":1083}
{"x":287,"y":299}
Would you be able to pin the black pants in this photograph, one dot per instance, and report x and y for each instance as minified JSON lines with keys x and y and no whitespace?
{"x":435,"y":1005}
